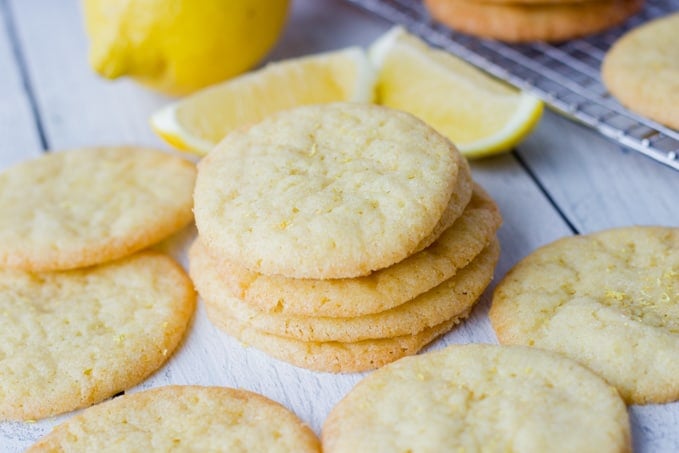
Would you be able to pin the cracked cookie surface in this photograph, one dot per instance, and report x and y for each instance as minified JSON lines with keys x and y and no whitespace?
{"x":609,"y":300}
{"x":81,"y":207}
{"x":73,"y":338}
{"x":480,"y":398}
{"x":221,"y":419}
{"x":325,"y":191}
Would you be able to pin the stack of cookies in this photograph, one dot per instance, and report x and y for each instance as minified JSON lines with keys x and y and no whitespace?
{"x":84,"y":313}
{"x":340,"y":237}
{"x":532,"y":20}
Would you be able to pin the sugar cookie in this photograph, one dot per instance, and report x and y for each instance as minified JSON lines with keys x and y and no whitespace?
{"x":325,"y":191}
{"x":523,"y":22}
{"x":70,"y":339}
{"x":81,"y":207}
{"x":183,"y":418}
{"x":642,"y":70}
{"x":480,"y":398}
{"x":609,"y":300}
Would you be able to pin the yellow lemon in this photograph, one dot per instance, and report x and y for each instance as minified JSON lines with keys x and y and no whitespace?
{"x":480,"y":114}
{"x":197,"y":122}
{"x":179,"y":46}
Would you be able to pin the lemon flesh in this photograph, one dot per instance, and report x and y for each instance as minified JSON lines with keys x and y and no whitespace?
{"x":480,"y":114}
{"x":180,"y":46}
{"x":198,"y":122}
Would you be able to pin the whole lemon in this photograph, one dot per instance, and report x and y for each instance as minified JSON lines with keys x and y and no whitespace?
{"x":179,"y":46}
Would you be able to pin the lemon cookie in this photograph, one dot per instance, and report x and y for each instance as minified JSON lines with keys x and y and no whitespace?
{"x":451,"y":298}
{"x":72,"y":338}
{"x":325,"y":191}
{"x":609,"y":300}
{"x":642,"y":70}
{"x":184,"y":418}
{"x":524,"y":22}
{"x":81,"y":207}
{"x":379,"y":291}
{"x":328,"y":356}
{"x":480,"y":398}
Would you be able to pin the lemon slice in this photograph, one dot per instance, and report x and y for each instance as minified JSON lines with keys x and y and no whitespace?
{"x":480,"y":114}
{"x":198,"y":122}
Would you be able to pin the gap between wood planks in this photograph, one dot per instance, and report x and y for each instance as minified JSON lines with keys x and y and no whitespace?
{"x":8,"y":19}
{"x":545,"y":192}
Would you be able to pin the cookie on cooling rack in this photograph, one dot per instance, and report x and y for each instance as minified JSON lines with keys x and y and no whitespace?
{"x":641,"y":70}
{"x":528,"y":21}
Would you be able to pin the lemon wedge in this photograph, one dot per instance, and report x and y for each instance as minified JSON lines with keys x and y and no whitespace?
{"x":198,"y":122}
{"x":480,"y":114}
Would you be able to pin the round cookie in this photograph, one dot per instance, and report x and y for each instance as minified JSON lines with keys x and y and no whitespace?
{"x":451,"y":298}
{"x":177,"y":418}
{"x":325,"y":191}
{"x":73,"y":338}
{"x":328,"y":356}
{"x":377,"y":292}
{"x":641,"y":70}
{"x":609,"y":300}
{"x":525,"y":22}
{"x":480,"y":398}
{"x":81,"y":207}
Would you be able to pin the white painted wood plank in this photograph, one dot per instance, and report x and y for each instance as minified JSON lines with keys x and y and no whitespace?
{"x":19,"y":138}
{"x":319,"y":26}
{"x":595,"y":182}
{"x":78,"y":108}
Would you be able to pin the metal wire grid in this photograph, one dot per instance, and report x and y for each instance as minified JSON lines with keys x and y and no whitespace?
{"x":566,"y":76}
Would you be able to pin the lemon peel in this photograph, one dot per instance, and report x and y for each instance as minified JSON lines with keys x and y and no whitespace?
{"x":180,"y":46}
{"x":483,"y":116}
{"x":480,"y":114}
{"x":199,"y":121}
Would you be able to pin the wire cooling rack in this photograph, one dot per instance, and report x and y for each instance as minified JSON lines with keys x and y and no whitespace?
{"x":566,"y":76}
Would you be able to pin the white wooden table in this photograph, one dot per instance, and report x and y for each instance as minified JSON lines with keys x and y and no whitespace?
{"x":563,"y":180}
